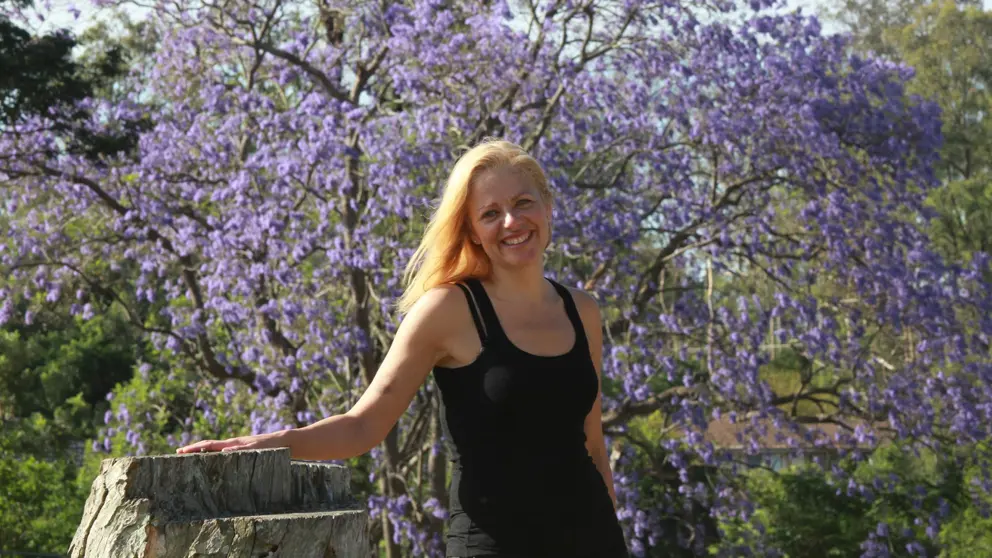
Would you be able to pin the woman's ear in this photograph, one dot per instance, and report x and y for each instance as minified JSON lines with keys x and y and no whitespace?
{"x":467,"y":231}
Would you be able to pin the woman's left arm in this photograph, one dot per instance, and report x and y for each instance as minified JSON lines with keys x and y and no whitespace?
{"x":595,"y":444}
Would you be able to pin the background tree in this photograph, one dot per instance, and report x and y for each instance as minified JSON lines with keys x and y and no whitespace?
{"x":947,"y":42}
{"x":41,"y":502}
{"x":42,"y":78}
{"x":872,"y":23}
{"x":55,"y":369}
{"x":949,"y":45}
{"x":38,"y":72}
{"x":809,"y":513}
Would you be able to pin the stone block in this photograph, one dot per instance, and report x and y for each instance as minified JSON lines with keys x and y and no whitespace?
{"x":243,"y":503}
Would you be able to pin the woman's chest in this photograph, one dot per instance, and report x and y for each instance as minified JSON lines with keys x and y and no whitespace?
{"x":545,"y":336}
{"x":531,"y":387}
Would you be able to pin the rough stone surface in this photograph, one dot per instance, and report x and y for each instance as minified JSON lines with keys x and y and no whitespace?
{"x":243,"y":504}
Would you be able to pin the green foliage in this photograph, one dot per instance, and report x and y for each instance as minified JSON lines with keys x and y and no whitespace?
{"x":967,"y":535}
{"x":40,"y":76}
{"x":55,"y":371}
{"x":964,"y":223}
{"x":61,"y":368}
{"x":161,"y":398}
{"x":871,"y":22}
{"x":969,"y":532}
{"x":806,"y":515}
{"x":949,"y":44}
{"x":950,"y":48}
{"x":40,"y":502}
{"x":36,"y":73}
{"x":54,"y":375}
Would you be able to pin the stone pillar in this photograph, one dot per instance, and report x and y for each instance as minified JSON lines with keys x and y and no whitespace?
{"x":243,"y":504}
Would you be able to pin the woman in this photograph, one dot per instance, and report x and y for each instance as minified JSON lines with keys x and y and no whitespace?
{"x":517,"y":360}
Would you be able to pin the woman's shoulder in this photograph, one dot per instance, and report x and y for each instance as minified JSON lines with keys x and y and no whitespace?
{"x":584,"y":300}
{"x":587,"y":305}
{"x":440,"y":318}
{"x":439,"y":305}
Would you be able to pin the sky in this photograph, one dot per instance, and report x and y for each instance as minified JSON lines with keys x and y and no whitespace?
{"x":61,"y":16}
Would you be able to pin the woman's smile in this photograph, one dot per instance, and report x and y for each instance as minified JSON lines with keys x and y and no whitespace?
{"x":519,"y":239}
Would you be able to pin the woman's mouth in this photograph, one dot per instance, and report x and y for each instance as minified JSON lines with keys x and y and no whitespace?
{"x":514,"y":241}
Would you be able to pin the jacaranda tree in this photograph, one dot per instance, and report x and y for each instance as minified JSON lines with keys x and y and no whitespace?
{"x":730,"y":183}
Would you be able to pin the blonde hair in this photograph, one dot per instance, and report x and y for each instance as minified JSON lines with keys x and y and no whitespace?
{"x":446,"y":253}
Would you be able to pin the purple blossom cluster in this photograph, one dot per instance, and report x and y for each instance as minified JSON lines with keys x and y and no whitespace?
{"x":730,"y":183}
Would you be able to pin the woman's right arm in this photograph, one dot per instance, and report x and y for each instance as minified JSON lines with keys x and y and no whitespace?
{"x":416,"y":348}
{"x":418,"y":345}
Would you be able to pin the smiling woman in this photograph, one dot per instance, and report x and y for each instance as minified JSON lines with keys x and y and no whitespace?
{"x":517,"y":360}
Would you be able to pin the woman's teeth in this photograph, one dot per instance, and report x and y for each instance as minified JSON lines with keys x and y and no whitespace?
{"x":519,"y":240}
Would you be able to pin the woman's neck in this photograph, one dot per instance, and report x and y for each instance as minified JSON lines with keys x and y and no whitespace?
{"x":520,"y":286}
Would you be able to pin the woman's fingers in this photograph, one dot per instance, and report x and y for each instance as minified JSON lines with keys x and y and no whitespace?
{"x":210,"y":445}
{"x":192,"y":448}
{"x":261,"y":441}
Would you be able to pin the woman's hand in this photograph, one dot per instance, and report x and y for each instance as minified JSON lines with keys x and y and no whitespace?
{"x":259,"y":441}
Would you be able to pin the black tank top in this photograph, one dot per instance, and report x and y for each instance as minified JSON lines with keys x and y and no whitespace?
{"x":522,"y":481}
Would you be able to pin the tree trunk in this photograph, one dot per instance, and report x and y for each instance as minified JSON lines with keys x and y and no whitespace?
{"x":245,"y":503}
{"x":437,"y":462}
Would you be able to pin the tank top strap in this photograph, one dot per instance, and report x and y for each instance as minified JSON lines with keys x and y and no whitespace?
{"x":573,"y":313}
{"x":494,"y":330}
{"x":474,"y":309}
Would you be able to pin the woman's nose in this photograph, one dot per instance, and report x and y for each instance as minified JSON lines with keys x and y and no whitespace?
{"x":509,"y":219}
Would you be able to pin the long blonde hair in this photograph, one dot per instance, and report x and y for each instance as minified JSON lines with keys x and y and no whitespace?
{"x":446,"y":253}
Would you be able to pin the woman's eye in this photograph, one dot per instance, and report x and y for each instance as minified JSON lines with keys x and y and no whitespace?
{"x":489,"y":214}
{"x":524,"y":202}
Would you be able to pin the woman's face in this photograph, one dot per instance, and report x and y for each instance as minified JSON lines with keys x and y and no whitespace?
{"x":508,"y":218}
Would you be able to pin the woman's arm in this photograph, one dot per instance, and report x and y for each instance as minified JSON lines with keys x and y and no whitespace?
{"x":595,"y":443}
{"x":418,"y":344}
